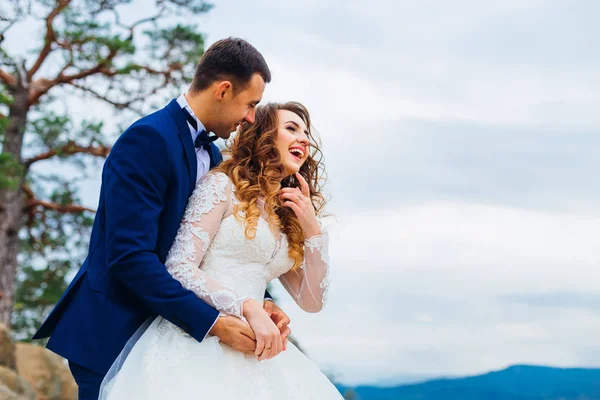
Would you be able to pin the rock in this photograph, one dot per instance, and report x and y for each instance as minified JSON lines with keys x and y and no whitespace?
{"x":46,"y":372}
{"x":7,"y":351}
{"x":30,"y":372}
{"x":14,"y":387}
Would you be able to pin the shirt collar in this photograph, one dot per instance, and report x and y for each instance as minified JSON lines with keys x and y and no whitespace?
{"x":181,"y":100}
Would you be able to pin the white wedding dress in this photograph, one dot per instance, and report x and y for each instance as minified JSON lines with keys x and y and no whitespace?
{"x":212,"y":257}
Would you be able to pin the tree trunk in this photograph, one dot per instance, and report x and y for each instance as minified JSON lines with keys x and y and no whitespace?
{"x":11,"y":205}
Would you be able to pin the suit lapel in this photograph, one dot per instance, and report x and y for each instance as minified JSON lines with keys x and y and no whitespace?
{"x":215,"y":157}
{"x":186,"y":141}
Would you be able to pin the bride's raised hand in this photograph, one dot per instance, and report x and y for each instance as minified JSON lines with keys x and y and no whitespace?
{"x":299,"y":201}
{"x":268,"y":337}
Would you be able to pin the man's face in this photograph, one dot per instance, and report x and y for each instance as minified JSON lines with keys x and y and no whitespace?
{"x":235,"y":109}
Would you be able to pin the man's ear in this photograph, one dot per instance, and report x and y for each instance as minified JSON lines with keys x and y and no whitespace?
{"x":223,"y":89}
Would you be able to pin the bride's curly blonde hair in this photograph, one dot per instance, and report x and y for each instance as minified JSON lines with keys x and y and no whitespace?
{"x":256,"y":171}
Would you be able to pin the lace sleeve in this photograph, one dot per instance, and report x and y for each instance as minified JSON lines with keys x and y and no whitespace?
{"x":308,"y":285}
{"x":207,"y":205}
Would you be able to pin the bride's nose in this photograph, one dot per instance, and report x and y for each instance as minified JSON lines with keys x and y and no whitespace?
{"x":303,"y":140}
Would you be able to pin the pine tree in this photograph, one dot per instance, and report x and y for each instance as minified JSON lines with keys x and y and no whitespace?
{"x":91,"y":53}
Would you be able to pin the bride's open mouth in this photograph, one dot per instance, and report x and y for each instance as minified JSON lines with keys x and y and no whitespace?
{"x":297,"y":153}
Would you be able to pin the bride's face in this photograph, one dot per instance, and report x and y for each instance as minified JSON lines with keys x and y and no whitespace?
{"x":292,"y":141}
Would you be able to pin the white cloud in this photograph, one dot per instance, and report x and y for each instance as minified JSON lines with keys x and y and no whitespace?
{"x":422,"y":290}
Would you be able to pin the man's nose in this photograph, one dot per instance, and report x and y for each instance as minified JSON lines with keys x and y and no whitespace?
{"x":250,"y":116}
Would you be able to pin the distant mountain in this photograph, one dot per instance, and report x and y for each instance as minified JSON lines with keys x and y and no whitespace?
{"x":519,"y":382}
{"x":408,"y":379}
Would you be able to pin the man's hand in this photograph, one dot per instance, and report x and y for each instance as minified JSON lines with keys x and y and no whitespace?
{"x":235,"y":333}
{"x":280,"y":319}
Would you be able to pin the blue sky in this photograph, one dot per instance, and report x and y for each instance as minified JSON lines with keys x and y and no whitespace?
{"x":460,"y":139}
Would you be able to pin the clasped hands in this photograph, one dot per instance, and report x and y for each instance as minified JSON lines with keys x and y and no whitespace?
{"x":265,"y":334}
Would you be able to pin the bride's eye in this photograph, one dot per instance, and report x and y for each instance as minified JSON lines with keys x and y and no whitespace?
{"x":291,"y":128}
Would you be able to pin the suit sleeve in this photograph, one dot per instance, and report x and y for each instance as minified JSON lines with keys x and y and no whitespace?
{"x":268,"y":296}
{"x":136,"y":177}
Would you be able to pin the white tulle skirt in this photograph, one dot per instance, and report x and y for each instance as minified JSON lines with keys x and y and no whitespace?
{"x":162,"y":362}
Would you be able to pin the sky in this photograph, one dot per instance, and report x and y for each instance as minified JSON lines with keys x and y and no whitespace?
{"x":460,"y":141}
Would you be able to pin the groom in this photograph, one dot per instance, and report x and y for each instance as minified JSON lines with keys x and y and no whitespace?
{"x":146,"y":181}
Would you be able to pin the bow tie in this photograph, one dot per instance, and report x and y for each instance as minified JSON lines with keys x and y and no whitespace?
{"x":203,"y":140}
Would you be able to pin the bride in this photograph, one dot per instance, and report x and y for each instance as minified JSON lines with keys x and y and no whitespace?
{"x":253,"y":219}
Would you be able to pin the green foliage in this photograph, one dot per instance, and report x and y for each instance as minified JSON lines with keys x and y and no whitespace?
{"x":5,"y":101}
{"x":5,"y":98}
{"x":53,"y":244}
{"x":5,"y":58}
{"x":91,"y":41}
{"x":195,"y":6}
{"x":49,"y":129}
{"x":181,"y":43}
{"x":11,"y":171}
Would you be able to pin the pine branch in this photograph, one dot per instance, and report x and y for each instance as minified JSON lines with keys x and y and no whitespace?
{"x":120,"y":106}
{"x":67,"y":65}
{"x":28,"y":192}
{"x":131,"y":27}
{"x":42,"y":86}
{"x":18,"y":16}
{"x":167,"y":75}
{"x":99,"y":68}
{"x":49,"y":39}
{"x":104,"y":67}
{"x":68,"y":47}
{"x":10,"y":25}
{"x":153,"y":71}
{"x":31,"y":205}
{"x":69,"y":149}
{"x":7,"y":78}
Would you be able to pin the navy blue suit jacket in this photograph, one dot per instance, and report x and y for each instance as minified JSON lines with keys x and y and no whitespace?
{"x":146,"y":182}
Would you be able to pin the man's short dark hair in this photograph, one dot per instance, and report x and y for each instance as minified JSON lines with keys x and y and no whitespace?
{"x":230,"y":59}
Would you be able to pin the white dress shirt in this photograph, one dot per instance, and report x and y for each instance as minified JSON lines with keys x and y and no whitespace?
{"x":202,"y":155}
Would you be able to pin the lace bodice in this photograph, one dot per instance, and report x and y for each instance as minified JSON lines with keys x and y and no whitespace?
{"x":212,"y":256}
